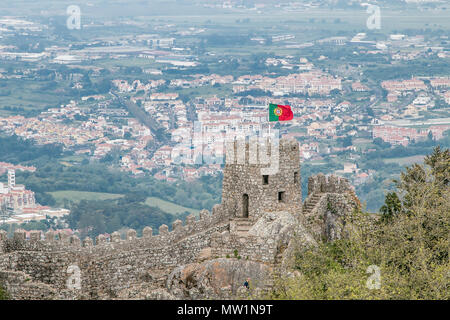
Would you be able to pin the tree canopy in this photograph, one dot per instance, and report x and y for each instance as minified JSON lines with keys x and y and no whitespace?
{"x":408,"y":247}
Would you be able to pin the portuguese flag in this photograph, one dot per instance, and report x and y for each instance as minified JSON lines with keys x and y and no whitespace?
{"x":278,"y":112}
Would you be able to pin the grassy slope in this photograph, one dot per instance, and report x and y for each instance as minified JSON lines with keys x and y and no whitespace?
{"x":168,"y":207}
{"x":406,"y":160}
{"x":77,"y":196}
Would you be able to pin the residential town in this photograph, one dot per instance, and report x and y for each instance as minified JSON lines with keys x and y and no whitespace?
{"x":224,"y":149}
{"x":98,"y":129}
{"x":17,"y":204}
{"x":163,"y":103}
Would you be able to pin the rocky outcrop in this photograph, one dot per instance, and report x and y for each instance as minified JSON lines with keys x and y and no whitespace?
{"x":254,"y":233}
{"x":218,"y":279}
{"x":330,"y":201}
{"x":20,"y":286}
{"x":145,"y":291}
{"x":278,"y":225}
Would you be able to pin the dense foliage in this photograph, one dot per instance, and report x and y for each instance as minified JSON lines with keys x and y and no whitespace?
{"x":372,"y":192}
{"x":97,"y":217}
{"x":14,"y":149}
{"x":54,"y":176}
{"x":51,"y":175}
{"x":409,"y":245}
{"x":3,"y":294}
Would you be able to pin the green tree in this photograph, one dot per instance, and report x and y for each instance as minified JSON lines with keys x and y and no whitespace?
{"x":411,"y":251}
{"x":439,"y":161}
{"x":392,"y":207}
{"x":3,"y":294}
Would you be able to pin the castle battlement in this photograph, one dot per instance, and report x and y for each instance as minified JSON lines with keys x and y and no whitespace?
{"x":261,"y":151}
{"x":251,"y":186}
{"x":261,"y":207}
{"x":107,"y":265}
{"x":328,"y":184}
{"x":58,"y":241}
{"x":330,"y":198}
{"x":250,"y":247}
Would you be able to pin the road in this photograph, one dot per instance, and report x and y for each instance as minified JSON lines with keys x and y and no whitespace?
{"x":160,"y":134}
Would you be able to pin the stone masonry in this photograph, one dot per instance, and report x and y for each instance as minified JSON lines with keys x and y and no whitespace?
{"x":205,"y":257}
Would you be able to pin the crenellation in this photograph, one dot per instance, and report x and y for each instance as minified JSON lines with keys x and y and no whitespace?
{"x":49,"y":236}
{"x":100,"y":239}
{"x":3,"y":239}
{"x":177,"y":225}
{"x":147,"y":232}
{"x":190,"y":219}
{"x":75,"y":241}
{"x":322,"y":182}
{"x":35,"y":235}
{"x":312,"y":181}
{"x":204,"y":214}
{"x":131,"y":234}
{"x":20,"y":234}
{"x":255,"y":151}
{"x":87,"y":242}
{"x":333,"y":183}
{"x":241,"y":157}
{"x":115,"y":237}
{"x":3,"y":235}
{"x":63,"y":237}
{"x":328,"y":184}
{"x":163,"y":230}
{"x":111,"y":265}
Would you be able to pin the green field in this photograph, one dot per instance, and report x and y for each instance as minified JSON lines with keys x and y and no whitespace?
{"x":31,"y":95}
{"x":72,"y":160}
{"x":406,"y":160}
{"x":222,"y":91}
{"x":363,"y":144}
{"x":127,"y":62}
{"x":77,"y":196}
{"x":168,"y":207}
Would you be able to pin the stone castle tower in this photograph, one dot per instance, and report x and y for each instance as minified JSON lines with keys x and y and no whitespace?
{"x":262,"y":177}
{"x":249,"y":235}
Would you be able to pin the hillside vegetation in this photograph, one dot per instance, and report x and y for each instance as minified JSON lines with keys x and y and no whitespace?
{"x":407,"y":249}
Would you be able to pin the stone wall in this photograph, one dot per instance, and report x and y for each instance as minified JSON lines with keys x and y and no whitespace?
{"x":20,"y":286}
{"x":248,"y":248}
{"x":247,"y":164}
{"x":321,"y":183}
{"x":53,"y":241}
{"x":331,"y":199}
{"x":109,"y":266}
{"x":43,"y":265}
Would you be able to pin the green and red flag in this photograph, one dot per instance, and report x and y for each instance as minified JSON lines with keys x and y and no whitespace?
{"x":277,"y":112}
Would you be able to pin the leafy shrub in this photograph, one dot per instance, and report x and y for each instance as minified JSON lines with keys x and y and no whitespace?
{"x":409,"y":244}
